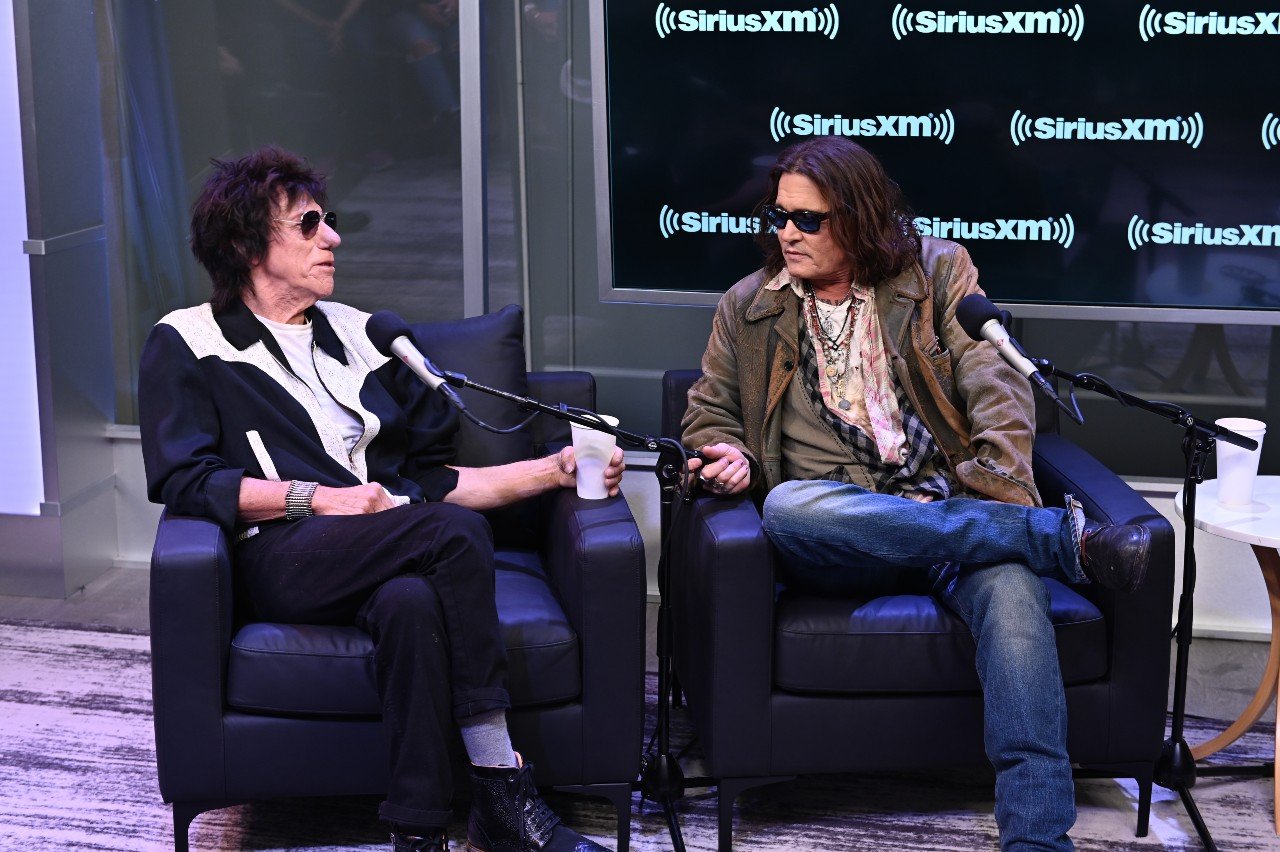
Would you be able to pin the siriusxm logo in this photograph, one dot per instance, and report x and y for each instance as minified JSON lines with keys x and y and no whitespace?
{"x":1051,"y":229}
{"x":1190,"y":130}
{"x":1068,"y":22}
{"x":1270,"y":131}
{"x":941,"y":126}
{"x":825,"y":21}
{"x":1177,"y":234}
{"x":671,"y":222}
{"x":1152,"y":23}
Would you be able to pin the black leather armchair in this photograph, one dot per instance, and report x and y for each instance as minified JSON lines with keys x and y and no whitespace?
{"x":780,"y":683}
{"x":247,"y":710}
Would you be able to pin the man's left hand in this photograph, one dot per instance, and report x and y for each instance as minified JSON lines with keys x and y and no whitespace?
{"x":568,"y":465}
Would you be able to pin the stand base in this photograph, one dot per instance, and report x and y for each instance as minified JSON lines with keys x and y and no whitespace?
{"x":1176,"y":768}
{"x":1198,"y":821}
{"x":662,"y":782}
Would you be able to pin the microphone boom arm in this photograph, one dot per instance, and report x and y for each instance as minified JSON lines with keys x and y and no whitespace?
{"x":1167,"y":410}
{"x":525,"y":403}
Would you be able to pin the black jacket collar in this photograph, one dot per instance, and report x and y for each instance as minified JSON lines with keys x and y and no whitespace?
{"x":242,"y":329}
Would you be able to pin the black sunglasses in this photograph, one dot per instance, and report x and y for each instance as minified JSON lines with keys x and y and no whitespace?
{"x":806,"y":220}
{"x":311,"y":220}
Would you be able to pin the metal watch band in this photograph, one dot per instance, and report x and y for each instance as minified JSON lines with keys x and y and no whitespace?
{"x":297,"y":500}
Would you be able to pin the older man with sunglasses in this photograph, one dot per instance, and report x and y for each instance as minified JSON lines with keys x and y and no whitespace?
{"x":270,"y":412}
{"x":830,"y":390}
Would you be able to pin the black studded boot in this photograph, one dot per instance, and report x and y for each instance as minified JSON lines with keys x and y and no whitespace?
{"x":508,"y":815}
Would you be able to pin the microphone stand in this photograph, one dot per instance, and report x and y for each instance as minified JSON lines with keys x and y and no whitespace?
{"x":1176,"y":768}
{"x":661,"y":778}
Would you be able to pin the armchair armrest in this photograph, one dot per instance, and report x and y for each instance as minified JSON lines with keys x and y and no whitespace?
{"x":191,"y":596}
{"x":594,"y":557}
{"x":1137,"y":622}
{"x":723,"y":587}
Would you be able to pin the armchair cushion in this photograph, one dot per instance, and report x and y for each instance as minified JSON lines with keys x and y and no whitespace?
{"x":299,"y":669}
{"x":288,"y":669}
{"x":910,"y":643}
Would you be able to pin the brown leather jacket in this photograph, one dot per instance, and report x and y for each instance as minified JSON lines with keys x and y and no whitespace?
{"x":977,"y":407}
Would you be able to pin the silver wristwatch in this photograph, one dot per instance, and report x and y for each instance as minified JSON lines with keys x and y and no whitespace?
{"x":297,"y":501}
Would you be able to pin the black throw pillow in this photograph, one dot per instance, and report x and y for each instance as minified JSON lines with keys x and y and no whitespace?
{"x":488,"y":350}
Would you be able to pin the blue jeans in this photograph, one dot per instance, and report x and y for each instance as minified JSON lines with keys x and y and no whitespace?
{"x":982,"y":559}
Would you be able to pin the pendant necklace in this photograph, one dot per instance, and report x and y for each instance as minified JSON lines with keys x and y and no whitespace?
{"x":834,"y":344}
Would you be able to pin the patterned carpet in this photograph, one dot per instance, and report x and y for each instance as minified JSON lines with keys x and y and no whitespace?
{"x":77,"y":772}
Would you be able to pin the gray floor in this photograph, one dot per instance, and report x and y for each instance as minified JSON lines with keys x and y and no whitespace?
{"x":1222,"y":674}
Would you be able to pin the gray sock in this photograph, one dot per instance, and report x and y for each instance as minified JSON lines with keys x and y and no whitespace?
{"x":487,"y":740}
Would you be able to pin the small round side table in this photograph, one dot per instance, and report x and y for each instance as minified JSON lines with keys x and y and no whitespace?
{"x":1257,"y":524}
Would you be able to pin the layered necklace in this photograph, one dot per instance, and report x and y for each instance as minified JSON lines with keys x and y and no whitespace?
{"x":831,"y":324}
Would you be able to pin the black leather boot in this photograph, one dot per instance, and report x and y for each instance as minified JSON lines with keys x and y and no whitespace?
{"x":431,"y":841}
{"x":508,"y":815}
{"x":1115,"y":556}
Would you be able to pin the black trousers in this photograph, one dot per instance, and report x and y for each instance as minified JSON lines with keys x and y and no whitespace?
{"x":419,"y":579}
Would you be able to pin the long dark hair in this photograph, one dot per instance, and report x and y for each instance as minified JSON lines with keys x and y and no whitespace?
{"x":231,"y":219}
{"x":870,"y":219}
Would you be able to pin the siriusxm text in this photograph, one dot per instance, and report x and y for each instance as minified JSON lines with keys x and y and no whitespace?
{"x":765,"y":21}
{"x":1139,"y":129}
{"x":1002,"y":23}
{"x":1212,"y":23}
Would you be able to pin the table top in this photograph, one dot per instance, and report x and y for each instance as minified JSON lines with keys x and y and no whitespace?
{"x":1257,"y":523}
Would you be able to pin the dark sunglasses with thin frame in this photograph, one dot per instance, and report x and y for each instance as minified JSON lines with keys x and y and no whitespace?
{"x":806,"y":220}
{"x":310,"y":221}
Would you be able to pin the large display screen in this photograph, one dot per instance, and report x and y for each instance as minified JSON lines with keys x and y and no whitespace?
{"x":1090,"y":154}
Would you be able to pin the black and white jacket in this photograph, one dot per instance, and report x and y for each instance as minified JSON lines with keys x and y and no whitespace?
{"x":217,"y":401}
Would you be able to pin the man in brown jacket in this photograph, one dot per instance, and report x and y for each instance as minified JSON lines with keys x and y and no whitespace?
{"x":839,"y":388}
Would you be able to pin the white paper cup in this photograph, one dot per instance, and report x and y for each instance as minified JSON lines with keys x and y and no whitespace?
{"x":593,"y":450}
{"x":1238,"y":467}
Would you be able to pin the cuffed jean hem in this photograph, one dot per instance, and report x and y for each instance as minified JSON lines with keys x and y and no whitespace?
{"x":414,"y":818}
{"x":474,"y":702}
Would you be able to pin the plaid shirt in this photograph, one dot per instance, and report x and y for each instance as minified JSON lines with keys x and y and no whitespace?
{"x":915,"y":475}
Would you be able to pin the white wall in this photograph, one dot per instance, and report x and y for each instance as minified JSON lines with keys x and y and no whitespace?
{"x":20,"y":461}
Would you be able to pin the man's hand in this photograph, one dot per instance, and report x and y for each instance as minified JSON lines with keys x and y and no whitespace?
{"x":568,"y":465}
{"x":727,"y":472}
{"x":355,"y":500}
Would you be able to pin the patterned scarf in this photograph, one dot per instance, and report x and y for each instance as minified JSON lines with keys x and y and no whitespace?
{"x":905,"y":478}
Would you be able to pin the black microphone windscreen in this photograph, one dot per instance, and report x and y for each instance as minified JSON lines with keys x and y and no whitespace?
{"x":383,"y":328}
{"x":973,"y":312}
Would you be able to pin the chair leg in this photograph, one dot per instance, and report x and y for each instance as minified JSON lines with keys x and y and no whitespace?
{"x":1142,"y":773}
{"x":619,"y":795}
{"x":183,"y":814}
{"x":1144,"y":802}
{"x":730,"y":790}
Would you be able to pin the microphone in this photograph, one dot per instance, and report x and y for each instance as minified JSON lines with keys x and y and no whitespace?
{"x":981,"y":320}
{"x":392,"y":337}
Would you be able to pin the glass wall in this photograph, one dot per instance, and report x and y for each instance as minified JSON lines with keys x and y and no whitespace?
{"x":367,"y":91}
{"x":1211,"y":370}
{"x":370,"y":91}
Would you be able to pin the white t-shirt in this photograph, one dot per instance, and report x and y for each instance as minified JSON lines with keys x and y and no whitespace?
{"x":296,"y":341}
